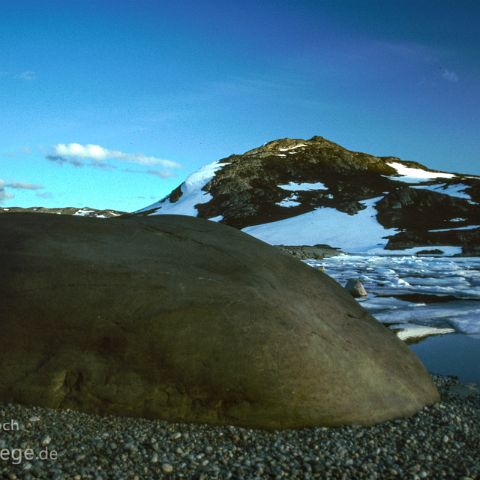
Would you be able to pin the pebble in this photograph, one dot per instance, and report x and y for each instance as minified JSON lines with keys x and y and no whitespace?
{"x":440,"y":442}
{"x":167,"y":468}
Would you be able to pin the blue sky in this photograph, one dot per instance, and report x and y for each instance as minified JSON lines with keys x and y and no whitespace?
{"x":163,"y":87}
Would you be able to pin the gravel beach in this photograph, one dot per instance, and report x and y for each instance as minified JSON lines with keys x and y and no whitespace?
{"x":442,"y":441}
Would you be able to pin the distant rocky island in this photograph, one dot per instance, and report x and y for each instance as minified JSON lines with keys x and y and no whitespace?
{"x":80,"y":212}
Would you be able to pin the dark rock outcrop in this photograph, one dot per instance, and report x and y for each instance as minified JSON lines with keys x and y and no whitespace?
{"x":317,"y":252}
{"x":186,"y":320}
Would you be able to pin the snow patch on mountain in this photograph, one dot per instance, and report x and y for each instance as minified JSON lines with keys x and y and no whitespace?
{"x":293,"y":147}
{"x":468,"y":227}
{"x":303,"y":187}
{"x":192,"y":193}
{"x":291,"y":201}
{"x":456,"y":190}
{"x":353,"y":233}
{"x":83,"y":212}
{"x":218,"y":218}
{"x":415,"y":175}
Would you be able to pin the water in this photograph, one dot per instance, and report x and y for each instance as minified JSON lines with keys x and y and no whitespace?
{"x":421,"y":296}
{"x":439,"y":292}
{"x":455,"y":354}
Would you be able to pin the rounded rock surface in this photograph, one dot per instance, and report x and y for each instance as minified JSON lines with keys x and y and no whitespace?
{"x":187,"y":320}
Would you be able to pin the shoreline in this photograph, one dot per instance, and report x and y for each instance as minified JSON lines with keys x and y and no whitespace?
{"x":440,"y":441}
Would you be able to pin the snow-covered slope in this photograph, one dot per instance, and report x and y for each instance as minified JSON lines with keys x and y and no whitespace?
{"x":325,"y":225}
{"x":191,"y":193}
{"x":308,"y":192}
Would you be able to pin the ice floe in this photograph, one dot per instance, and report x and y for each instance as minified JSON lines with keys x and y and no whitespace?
{"x":410,"y":331}
{"x":415,"y":294}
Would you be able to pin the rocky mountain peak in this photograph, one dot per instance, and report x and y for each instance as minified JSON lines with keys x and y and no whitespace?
{"x":318,"y":187}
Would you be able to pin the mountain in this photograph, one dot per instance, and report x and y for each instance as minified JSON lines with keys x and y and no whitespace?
{"x":80,"y":212}
{"x":308,"y":192}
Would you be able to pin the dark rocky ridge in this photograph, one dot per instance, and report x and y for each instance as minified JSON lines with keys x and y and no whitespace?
{"x":246,"y":192}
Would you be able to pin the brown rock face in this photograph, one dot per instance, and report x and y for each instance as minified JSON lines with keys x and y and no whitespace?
{"x":186,"y":320}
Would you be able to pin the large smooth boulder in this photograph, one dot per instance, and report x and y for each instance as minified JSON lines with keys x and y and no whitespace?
{"x":183,"y":319}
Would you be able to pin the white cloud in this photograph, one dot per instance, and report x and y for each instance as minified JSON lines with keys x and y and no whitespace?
{"x":76,"y":154}
{"x":159,"y":173}
{"x":24,"y":186}
{"x":25,"y":150}
{"x":27,"y":75}
{"x":44,"y":195}
{"x":151,"y":171}
{"x":3,"y":194}
{"x":450,"y":76}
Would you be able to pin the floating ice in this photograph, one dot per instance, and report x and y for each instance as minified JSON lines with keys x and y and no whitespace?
{"x":433,"y":292}
{"x":410,"y":331}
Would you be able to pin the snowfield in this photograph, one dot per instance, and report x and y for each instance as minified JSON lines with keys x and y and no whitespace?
{"x":353,"y":233}
{"x":419,"y":296}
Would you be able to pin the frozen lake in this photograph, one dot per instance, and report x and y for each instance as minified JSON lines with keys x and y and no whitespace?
{"x":419,"y":297}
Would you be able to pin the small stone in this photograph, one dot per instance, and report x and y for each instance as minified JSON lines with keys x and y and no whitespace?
{"x":355,"y":287}
{"x":154,"y":458}
{"x":167,"y":468}
{"x":46,"y":440}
